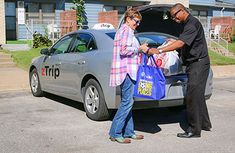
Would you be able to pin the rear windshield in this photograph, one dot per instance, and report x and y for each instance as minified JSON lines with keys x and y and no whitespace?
{"x":153,"y":39}
{"x":111,"y":34}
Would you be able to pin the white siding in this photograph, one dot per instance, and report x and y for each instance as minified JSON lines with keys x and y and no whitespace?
{"x":91,"y":10}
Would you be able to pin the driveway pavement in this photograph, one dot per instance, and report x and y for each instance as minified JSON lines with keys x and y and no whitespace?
{"x":14,"y":78}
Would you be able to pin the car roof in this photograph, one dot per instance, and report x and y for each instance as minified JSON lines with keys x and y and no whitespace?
{"x":93,"y":31}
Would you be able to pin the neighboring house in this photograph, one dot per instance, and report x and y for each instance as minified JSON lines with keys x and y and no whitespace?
{"x":205,"y":10}
{"x":23,"y":17}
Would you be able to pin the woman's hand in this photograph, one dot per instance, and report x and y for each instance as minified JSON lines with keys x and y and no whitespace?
{"x":144,"y":48}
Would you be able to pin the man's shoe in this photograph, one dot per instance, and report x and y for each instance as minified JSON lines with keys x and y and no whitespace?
{"x":206,"y":128}
{"x":188,"y":135}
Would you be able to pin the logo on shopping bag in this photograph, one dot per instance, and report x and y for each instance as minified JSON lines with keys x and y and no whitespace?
{"x":145,"y":87}
{"x":146,"y":76}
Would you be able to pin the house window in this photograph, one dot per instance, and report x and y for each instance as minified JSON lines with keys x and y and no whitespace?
{"x":195,"y":13}
{"x":48,"y":8}
{"x":32,"y":7}
{"x":203,"y":13}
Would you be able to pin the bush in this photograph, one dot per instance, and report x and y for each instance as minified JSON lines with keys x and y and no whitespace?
{"x":40,"y":40}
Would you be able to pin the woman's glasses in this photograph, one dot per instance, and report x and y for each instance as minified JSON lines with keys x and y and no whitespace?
{"x":137,"y":22}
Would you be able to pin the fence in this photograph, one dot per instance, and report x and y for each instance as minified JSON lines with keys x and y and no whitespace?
{"x":54,"y":29}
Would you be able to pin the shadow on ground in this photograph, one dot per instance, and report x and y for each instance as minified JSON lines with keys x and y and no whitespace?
{"x":146,"y":120}
{"x":65,"y":101}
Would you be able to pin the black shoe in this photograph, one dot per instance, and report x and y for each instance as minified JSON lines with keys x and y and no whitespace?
{"x":188,"y":135}
{"x":206,"y":129}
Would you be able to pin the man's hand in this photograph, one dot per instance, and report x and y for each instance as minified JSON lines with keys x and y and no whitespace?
{"x":153,"y":51}
{"x":170,"y":40}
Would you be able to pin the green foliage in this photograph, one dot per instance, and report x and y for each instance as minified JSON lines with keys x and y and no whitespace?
{"x":80,"y":9}
{"x":40,"y":40}
{"x":217,"y":59}
{"x":231,"y":47}
{"x":23,"y":58}
{"x":19,"y":42}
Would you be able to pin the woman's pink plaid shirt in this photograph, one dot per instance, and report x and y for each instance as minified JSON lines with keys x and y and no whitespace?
{"x":125,"y":56}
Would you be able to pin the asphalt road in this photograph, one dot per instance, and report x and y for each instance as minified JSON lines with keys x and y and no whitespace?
{"x":56,"y":125}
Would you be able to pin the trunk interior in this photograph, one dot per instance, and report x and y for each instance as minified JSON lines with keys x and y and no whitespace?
{"x":157,"y":19}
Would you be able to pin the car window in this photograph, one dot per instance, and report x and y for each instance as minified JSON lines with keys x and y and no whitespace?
{"x":83,"y":43}
{"x":111,"y":34}
{"x":151,"y":40}
{"x":62,"y":45}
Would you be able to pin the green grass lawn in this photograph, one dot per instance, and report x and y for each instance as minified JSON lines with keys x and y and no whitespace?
{"x":20,"y":42}
{"x":231,"y":47}
{"x":23,"y":58}
{"x":217,"y":59}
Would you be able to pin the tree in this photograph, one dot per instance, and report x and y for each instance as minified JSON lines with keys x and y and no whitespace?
{"x":80,"y":11}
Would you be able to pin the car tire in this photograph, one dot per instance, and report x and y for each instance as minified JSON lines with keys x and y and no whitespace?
{"x":35,"y":85}
{"x":94,"y":102}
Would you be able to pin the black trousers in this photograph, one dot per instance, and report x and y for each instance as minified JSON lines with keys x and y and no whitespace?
{"x":197,"y":113}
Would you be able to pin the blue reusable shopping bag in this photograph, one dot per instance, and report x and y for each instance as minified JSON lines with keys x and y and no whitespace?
{"x":150,"y":82}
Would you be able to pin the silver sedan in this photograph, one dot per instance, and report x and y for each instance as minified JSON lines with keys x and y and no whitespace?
{"x":78,"y":65}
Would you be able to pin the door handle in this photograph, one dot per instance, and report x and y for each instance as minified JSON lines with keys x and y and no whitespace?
{"x":58,"y":64}
{"x":81,"y":62}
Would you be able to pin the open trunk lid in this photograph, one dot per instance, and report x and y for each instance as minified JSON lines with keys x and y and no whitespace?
{"x":156,"y":18}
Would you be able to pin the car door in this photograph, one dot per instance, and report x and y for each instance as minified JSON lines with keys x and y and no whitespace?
{"x":51,"y":67}
{"x":75,"y":62}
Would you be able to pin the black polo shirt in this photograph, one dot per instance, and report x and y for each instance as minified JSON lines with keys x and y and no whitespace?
{"x":195,"y":43}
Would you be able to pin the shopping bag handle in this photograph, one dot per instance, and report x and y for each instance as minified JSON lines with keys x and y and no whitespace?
{"x":144,"y":59}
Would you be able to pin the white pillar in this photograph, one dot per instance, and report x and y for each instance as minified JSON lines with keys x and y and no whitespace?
{"x":2,"y":23}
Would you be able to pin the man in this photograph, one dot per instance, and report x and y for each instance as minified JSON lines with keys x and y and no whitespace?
{"x":195,"y":57}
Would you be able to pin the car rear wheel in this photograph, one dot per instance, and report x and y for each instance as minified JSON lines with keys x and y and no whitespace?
{"x":35,"y":84}
{"x":94,"y":102}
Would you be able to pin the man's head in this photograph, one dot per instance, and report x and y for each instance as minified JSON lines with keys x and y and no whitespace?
{"x":179,"y":13}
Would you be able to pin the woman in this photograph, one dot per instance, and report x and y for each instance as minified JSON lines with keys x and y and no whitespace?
{"x":123,"y":73}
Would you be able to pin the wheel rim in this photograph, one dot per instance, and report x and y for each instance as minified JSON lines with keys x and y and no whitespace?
{"x":34,"y":82}
{"x":92,"y":99}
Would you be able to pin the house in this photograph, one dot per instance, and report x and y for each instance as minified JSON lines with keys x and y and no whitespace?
{"x":24,"y":17}
{"x":19,"y":19}
{"x":205,"y":10}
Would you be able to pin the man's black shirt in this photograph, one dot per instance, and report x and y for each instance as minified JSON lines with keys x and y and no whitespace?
{"x":195,"y":43}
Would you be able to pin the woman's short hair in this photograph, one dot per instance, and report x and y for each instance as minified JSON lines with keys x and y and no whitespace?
{"x":132,"y":13}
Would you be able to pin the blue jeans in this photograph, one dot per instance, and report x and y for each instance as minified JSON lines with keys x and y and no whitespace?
{"x":122,"y":125}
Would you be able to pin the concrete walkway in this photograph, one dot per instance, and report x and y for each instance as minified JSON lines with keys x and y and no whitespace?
{"x":16,"y":47}
{"x":14,"y":78}
{"x":223,"y":71}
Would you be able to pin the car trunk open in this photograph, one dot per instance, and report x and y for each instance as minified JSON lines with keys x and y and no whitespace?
{"x":156,"y":18}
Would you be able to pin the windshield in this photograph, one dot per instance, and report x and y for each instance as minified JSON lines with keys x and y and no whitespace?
{"x":153,"y":39}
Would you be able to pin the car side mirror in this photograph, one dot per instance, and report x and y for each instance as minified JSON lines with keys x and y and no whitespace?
{"x":45,"y":51}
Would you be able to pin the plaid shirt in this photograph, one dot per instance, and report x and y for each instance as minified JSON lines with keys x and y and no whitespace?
{"x":125,"y":56}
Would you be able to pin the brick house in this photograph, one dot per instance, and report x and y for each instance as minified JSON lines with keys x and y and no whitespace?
{"x":23,"y":17}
